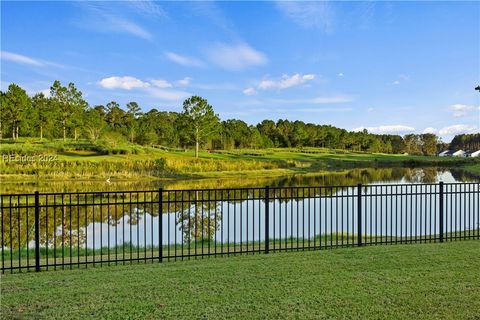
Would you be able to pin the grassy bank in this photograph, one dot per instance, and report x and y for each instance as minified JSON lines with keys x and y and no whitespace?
{"x":89,"y":161}
{"x":425,"y":281}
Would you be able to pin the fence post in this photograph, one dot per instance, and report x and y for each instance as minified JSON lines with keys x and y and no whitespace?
{"x":359,"y":214}
{"x":160,"y":224}
{"x":37,"y":232}
{"x":441,"y":211}
{"x":267,"y":219}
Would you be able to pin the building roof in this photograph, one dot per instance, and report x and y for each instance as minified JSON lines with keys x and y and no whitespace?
{"x":471,"y":151}
{"x":446,"y":152}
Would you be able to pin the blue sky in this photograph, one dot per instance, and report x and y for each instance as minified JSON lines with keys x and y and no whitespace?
{"x":390,"y":67}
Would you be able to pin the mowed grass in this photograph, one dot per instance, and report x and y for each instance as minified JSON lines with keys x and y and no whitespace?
{"x":424,"y":281}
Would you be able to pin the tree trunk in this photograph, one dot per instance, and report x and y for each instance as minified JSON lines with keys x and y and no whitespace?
{"x":17,"y":132}
{"x":196,"y":143}
{"x":13,"y":132}
{"x":41,"y":133}
{"x":64,"y":130}
{"x":75,"y":134}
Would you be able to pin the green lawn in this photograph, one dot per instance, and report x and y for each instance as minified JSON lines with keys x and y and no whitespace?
{"x":425,"y":281}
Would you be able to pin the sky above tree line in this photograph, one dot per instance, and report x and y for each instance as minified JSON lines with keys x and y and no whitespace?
{"x":388,"y":67}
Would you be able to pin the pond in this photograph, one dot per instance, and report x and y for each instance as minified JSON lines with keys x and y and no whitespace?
{"x":326,"y":178}
{"x":391,"y":205}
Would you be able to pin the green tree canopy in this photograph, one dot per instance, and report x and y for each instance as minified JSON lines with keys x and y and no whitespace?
{"x":71,"y":106}
{"x":43,"y":113}
{"x":201,"y":120}
{"x":15,"y":109}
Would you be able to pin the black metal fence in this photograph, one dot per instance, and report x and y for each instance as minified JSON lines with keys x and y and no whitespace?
{"x":66,"y":230}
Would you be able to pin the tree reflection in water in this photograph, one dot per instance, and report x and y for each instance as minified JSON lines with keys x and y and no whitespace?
{"x":196,"y":218}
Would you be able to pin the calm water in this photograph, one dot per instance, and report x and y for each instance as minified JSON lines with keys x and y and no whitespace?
{"x":346,"y":177}
{"x":305,"y":214}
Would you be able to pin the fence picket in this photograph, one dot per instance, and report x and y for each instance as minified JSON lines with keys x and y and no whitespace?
{"x":230,"y":220}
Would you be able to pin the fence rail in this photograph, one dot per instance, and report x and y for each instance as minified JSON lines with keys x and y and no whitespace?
{"x":44,"y":231}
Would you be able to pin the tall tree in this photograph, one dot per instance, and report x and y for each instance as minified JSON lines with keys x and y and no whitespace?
{"x":15,"y":108}
{"x":413,"y":144}
{"x":236,"y":134}
{"x":71,"y":105}
{"x":95,"y":123}
{"x":43,"y":112}
{"x":429,"y":144}
{"x":202,"y":121}
{"x":115,"y":115}
{"x":133,"y":112}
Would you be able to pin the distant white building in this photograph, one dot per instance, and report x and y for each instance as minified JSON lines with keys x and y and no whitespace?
{"x":473,"y":154}
{"x":446,"y":153}
{"x":459,"y":153}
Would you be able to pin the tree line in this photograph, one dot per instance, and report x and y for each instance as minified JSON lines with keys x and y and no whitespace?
{"x":66,"y":114}
{"x":466,"y":142}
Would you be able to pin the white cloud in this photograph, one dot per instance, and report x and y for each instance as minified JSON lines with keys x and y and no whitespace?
{"x":22,"y":59}
{"x":460,"y":110}
{"x":396,"y":82}
{"x":126,"y":83}
{"x":100,"y":17}
{"x":184,"y":60}
{"x":393,"y":129}
{"x":18,"y":58}
{"x":161,"y":83}
{"x":236,"y":56}
{"x":340,"y":74}
{"x":370,"y":109}
{"x":157,"y":88}
{"x":249,"y":91}
{"x":172,"y":95}
{"x":458,"y":129}
{"x":430,"y":130}
{"x":184,"y":82}
{"x":123,"y":25}
{"x":318,"y":15}
{"x":285,"y":82}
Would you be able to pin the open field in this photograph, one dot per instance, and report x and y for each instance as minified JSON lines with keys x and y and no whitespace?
{"x":425,"y":281}
{"x":89,"y":161}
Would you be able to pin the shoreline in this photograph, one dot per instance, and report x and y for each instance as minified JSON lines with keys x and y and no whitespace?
{"x":471,"y":171}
